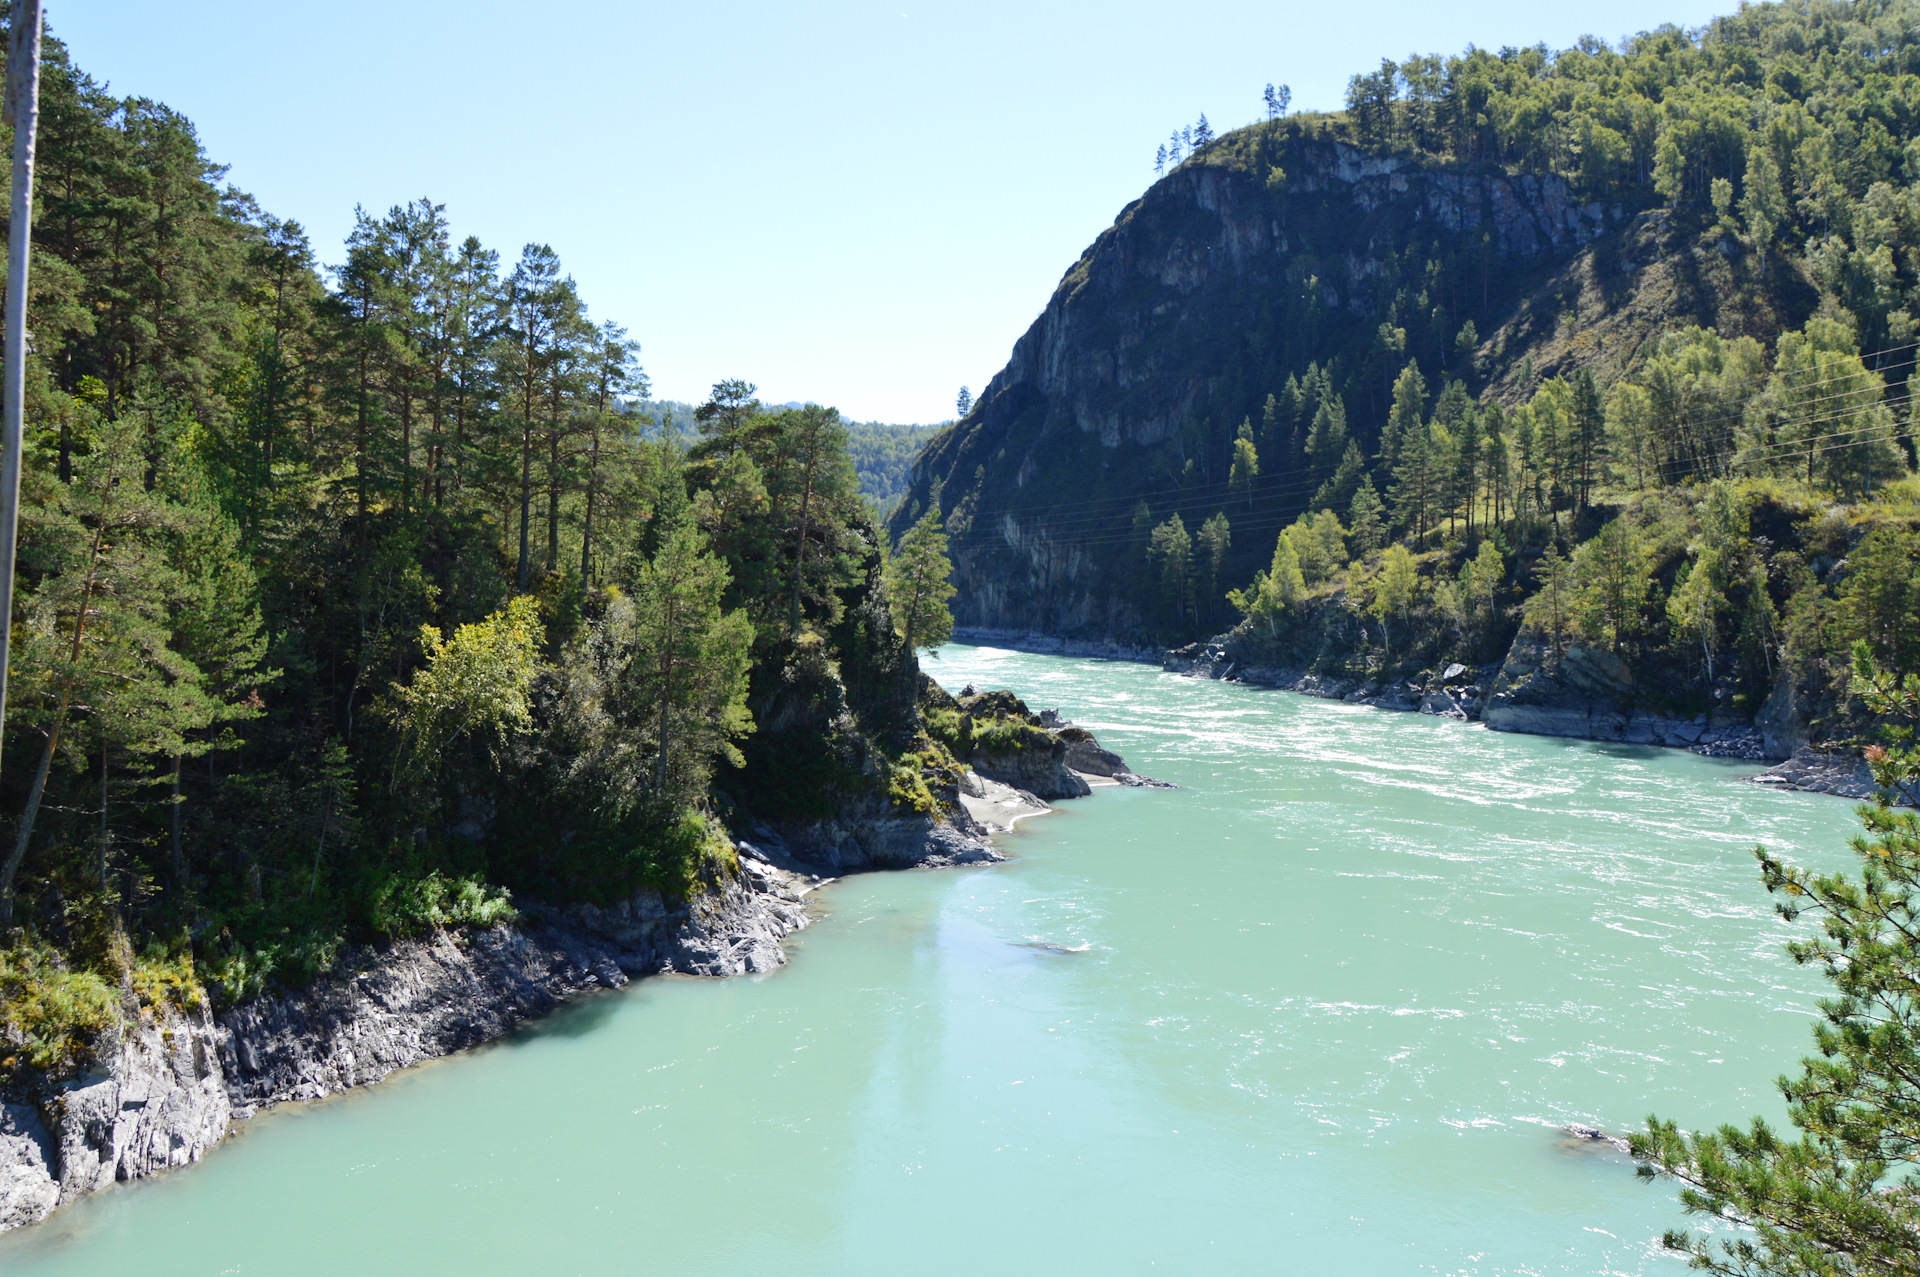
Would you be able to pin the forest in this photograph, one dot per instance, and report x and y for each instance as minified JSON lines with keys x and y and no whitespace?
{"x":361,"y":593}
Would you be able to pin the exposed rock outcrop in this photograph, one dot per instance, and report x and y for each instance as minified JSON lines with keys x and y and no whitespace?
{"x":1842,"y":773}
{"x":166,"y":1088}
{"x":1590,"y":693}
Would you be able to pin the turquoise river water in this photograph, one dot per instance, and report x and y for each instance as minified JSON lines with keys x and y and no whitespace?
{"x":1323,"y":1008}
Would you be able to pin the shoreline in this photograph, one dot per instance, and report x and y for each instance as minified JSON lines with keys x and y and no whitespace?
{"x":170,"y":1086}
{"x":1832,"y":773}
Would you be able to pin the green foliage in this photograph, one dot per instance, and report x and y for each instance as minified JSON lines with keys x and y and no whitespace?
{"x":1009,"y":735}
{"x":881,"y":455}
{"x":49,"y":1016}
{"x":163,"y":976}
{"x":351,"y":602}
{"x":404,"y":906}
{"x":475,"y":684}
{"x":918,"y":586}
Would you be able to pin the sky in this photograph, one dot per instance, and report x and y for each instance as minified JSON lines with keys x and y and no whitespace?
{"x":858,"y":204}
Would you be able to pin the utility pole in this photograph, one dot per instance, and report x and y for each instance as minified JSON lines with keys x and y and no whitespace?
{"x":22,"y":111}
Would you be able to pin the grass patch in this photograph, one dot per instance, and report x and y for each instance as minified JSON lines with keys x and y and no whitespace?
{"x":49,"y":1016}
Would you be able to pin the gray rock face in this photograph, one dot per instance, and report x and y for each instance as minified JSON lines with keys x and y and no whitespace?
{"x":28,"y":1188}
{"x":855,"y":842}
{"x":1839,"y":772}
{"x":1041,"y":772}
{"x":1143,"y":331}
{"x":157,"y":1100}
{"x":1589,"y":694}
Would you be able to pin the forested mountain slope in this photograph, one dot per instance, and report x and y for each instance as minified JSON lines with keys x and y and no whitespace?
{"x":1504,"y":300}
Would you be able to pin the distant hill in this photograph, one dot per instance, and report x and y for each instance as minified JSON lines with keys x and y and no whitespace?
{"x":882,"y":452}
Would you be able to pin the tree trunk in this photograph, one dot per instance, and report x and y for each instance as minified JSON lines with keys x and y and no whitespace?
{"x":800,"y":552}
{"x":27,"y":818}
{"x":103,"y":813}
{"x":586,"y":526}
{"x":179,"y":867}
{"x":526,"y":498}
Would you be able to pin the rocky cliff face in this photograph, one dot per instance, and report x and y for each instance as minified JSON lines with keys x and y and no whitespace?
{"x":1231,"y":274}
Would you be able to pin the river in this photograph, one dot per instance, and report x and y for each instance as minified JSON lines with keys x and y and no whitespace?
{"x":1325,"y":1005}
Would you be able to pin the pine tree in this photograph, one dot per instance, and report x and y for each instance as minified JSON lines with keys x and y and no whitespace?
{"x":1550,"y":610}
{"x":1210,"y":561}
{"x":1416,"y":490}
{"x":1613,"y":577}
{"x":1327,"y":436}
{"x":1170,"y":558}
{"x":964,"y":404}
{"x":1408,"y":412}
{"x":1589,"y":434}
{"x":1363,"y":517}
{"x":1839,"y":1198}
{"x":1246,"y":462}
{"x":1340,"y":486}
{"x":918,"y":584}
{"x":658,"y":691}
{"x":1464,"y":485}
{"x":1202,"y":133}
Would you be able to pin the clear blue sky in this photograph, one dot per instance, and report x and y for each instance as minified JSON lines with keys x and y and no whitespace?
{"x":863,"y":204}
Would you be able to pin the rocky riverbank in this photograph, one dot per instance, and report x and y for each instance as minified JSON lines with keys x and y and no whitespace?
{"x":166,"y":1087}
{"x":1587,"y":694}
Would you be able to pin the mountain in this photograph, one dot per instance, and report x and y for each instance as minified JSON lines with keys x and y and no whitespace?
{"x":1495,"y":220}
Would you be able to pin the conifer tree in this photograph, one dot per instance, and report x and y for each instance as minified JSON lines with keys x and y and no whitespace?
{"x":1246,"y":462}
{"x":1840,"y":1197}
{"x":1327,"y":436}
{"x":1210,"y":560}
{"x":1408,"y":412}
{"x":1363,"y":517}
{"x":1170,"y":557}
{"x":1416,"y":490}
{"x":1551,"y":609}
{"x":1340,"y":486}
{"x":918,"y":584}
{"x":1589,"y":434}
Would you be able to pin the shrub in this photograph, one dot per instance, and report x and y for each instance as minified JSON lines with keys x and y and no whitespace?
{"x":409,"y":907}
{"x":166,"y":979}
{"x":49,"y":1016}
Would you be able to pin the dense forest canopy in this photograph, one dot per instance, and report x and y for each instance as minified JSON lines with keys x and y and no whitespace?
{"x":362,"y":587}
